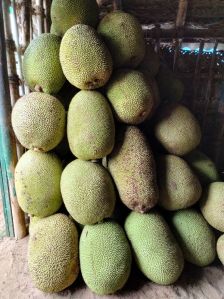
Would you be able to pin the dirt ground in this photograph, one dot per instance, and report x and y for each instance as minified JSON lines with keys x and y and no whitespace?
{"x":15,"y":283}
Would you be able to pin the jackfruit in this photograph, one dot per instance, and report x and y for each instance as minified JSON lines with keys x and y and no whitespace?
{"x":124,"y":37}
{"x":156,"y":252}
{"x":179,"y":188}
{"x":37,"y":183}
{"x":203,"y":167}
{"x":212,"y":205}
{"x":88,"y":191}
{"x":156,"y":96}
{"x":53,"y":253}
{"x":170,"y":87}
{"x":41,"y":65}
{"x":220,"y":248}
{"x":67,"y":13}
{"x":194,"y":236}
{"x":151,"y":61}
{"x":131,"y":96}
{"x":105,"y":257}
{"x":85,"y":59}
{"x":90,"y":128}
{"x":132,"y":167}
{"x":38,"y":121}
{"x":177,"y":129}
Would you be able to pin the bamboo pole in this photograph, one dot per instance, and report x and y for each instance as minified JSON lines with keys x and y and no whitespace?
{"x":23,"y":16}
{"x":23,"y":13}
{"x":18,"y":50}
{"x":39,"y":16}
{"x":14,"y":81}
{"x":11,"y":61}
{"x":117,"y":5}
{"x":7,"y":142}
{"x":47,"y":19}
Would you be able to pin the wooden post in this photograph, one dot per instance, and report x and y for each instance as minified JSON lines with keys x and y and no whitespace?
{"x":8,"y":155}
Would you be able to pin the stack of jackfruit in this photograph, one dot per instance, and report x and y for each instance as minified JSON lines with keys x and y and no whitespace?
{"x":129,"y":145}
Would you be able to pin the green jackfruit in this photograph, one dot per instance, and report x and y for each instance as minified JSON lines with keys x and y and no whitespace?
{"x":170,"y":87}
{"x":156,"y":251}
{"x":90,"y":128}
{"x":203,"y":167}
{"x":220,"y":248}
{"x":132,"y":167}
{"x":38,"y":121}
{"x":85,"y":60}
{"x":88,"y":191}
{"x":179,"y":188}
{"x":105,"y":257}
{"x":195,"y":237}
{"x":131,"y":96}
{"x":177,"y":129}
{"x":67,"y":13}
{"x":124,"y":37}
{"x":41,"y":65}
{"x":37,"y":182}
{"x":212,"y":205}
{"x":53,"y":253}
{"x":151,"y":61}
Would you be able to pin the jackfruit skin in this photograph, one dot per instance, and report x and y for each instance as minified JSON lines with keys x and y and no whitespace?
{"x":41,"y":64}
{"x":53,"y":253}
{"x":105,"y":257}
{"x":179,"y":188}
{"x":177,"y":129}
{"x":38,"y":121}
{"x":67,"y":13}
{"x":88,"y":192}
{"x":156,"y":252}
{"x":90,"y":128}
{"x":170,"y":87}
{"x":124,"y":37}
{"x":37,"y":183}
{"x":156,"y":95}
{"x":130,"y":95}
{"x":220,"y":248}
{"x":85,"y":59}
{"x":132,"y":167}
{"x":203,"y":166}
{"x":211,"y":205}
{"x":195,"y":237}
{"x":151,"y":61}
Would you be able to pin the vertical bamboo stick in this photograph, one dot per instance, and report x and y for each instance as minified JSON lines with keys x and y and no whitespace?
{"x":117,"y":5}
{"x":23,"y":12}
{"x":23,"y":17}
{"x":11,"y":63}
{"x":18,"y":50}
{"x":7,"y":140}
{"x":39,"y":16}
{"x":47,"y":19}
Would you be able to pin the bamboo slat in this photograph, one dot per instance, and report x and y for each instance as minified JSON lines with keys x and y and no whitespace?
{"x":14,"y":80}
{"x":8,"y":155}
